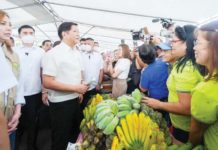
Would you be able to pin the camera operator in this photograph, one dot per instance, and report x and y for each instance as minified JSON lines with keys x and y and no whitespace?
{"x":135,"y":71}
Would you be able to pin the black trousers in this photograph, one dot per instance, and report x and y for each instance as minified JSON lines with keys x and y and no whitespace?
{"x":180,"y":135}
{"x":165,"y":114}
{"x":87,"y":96}
{"x":64,"y":123}
{"x":29,"y":121}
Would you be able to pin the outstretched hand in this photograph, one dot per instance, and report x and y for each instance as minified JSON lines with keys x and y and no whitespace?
{"x":151,"y":102}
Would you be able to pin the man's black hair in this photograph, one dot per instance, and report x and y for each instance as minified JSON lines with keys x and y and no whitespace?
{"x":147,"y":53}
{"x":65,"y":26}
{"x":43,"y":43}
{"x":25,"y":27}
{"x":91,"y":39}
{"x":82,"y":39}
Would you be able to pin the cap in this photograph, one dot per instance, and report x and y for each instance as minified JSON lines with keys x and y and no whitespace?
{"x":164,"y":46}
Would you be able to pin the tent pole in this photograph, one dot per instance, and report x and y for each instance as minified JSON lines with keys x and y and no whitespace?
{"x":117,"y":12}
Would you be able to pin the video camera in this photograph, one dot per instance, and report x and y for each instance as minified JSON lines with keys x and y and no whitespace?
{"x":137,"y":35}
{"x":147,"y":38}
{"x":142,"y":35}
{"x":166,"y":23}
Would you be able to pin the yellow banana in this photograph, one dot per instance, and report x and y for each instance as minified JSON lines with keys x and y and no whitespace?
{"x":122,"y":137}
{"x":154,"y":147}
{"x":125,"y":130}
{"x":160,"y":137}
{"x":163,"y":146}
{"x":147,"y":122}
{"x":114,"y":143}
{"x":147,"y":139}
{"x":130,"y":126}
{"x":153,"y":138}
{"x":141,"y":125}
{"x":135,"y":125}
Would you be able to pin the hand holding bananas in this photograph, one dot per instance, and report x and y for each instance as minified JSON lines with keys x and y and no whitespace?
{"x":151,"y":102}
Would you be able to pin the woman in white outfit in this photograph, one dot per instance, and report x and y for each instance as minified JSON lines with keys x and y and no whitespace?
{"x":121,"y":70}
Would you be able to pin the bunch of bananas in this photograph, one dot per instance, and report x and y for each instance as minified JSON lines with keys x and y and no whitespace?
{"x":96,"y":99}
{"x":157,"y":118}
{"x":88,"y":114}
{"x":93,"y":138}
{"x":126,"y":105}
{"x":138,"y":132}
{"x":129,"y":104}
{"x":137,"y":95}
{"x":106,"y":116}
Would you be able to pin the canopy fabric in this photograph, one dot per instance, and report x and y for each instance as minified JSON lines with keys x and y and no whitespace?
{"x":106,"y":21}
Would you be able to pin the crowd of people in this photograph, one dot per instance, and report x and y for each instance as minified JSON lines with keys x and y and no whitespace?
{"x":57,"y":80}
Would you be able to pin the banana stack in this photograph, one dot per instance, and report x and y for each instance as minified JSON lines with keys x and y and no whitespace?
{"x":157,"y":118}
{"x":106,"y":116}
{"x":96,"y":100}
{"x":88,"y":113}
{"x":138,"y":132}
{"x":126,"y":105}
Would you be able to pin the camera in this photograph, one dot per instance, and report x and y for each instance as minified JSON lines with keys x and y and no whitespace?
{"x":166,"y":23}
{"x":137,"y":35}
{"x":142,"y":35}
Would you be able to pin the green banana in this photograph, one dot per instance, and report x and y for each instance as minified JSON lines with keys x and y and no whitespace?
{"x":102,"y":115}
{"x":111,"y":126}
{"x":134,"y":111}
{"x":104,"y":122}
{"x":124,"y":101}
{"x":187,"y":146}
{"x":132,"y":100}
{"x":114,"y":107}
{"x":123,"y":107}
{"x":198,"y":147}
{"x":136,"y":106}
{"x":136,"y":94}
{"x":101,"y":104}
{"x":82,"y":123}
{"x":122,"y":114}
{"x":87,"y":115}
{"x":101,"y":109}
{"x":173,"y":147}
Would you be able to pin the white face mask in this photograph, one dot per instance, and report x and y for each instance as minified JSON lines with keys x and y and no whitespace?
{"x":96,"y":48}
{"x":28,"y":39}
{"x":83,"y":47}
{"x":88,"y":48}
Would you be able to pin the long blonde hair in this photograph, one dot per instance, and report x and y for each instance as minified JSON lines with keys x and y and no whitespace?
{"x":3,"y":14}
{"x":6,"y":43}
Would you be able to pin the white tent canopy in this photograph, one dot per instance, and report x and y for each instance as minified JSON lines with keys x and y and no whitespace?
{"x":106,"y":21}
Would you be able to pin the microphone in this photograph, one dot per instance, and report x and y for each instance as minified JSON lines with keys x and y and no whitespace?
{"x":155,"y":20}
{"x":26,"y":54}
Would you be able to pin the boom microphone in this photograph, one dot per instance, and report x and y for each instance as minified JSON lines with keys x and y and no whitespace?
{"x":155,"y":20}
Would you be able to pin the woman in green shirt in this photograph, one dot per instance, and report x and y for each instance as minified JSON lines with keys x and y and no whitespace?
{"x":204,"y":102}
{"x":182,"y":79}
